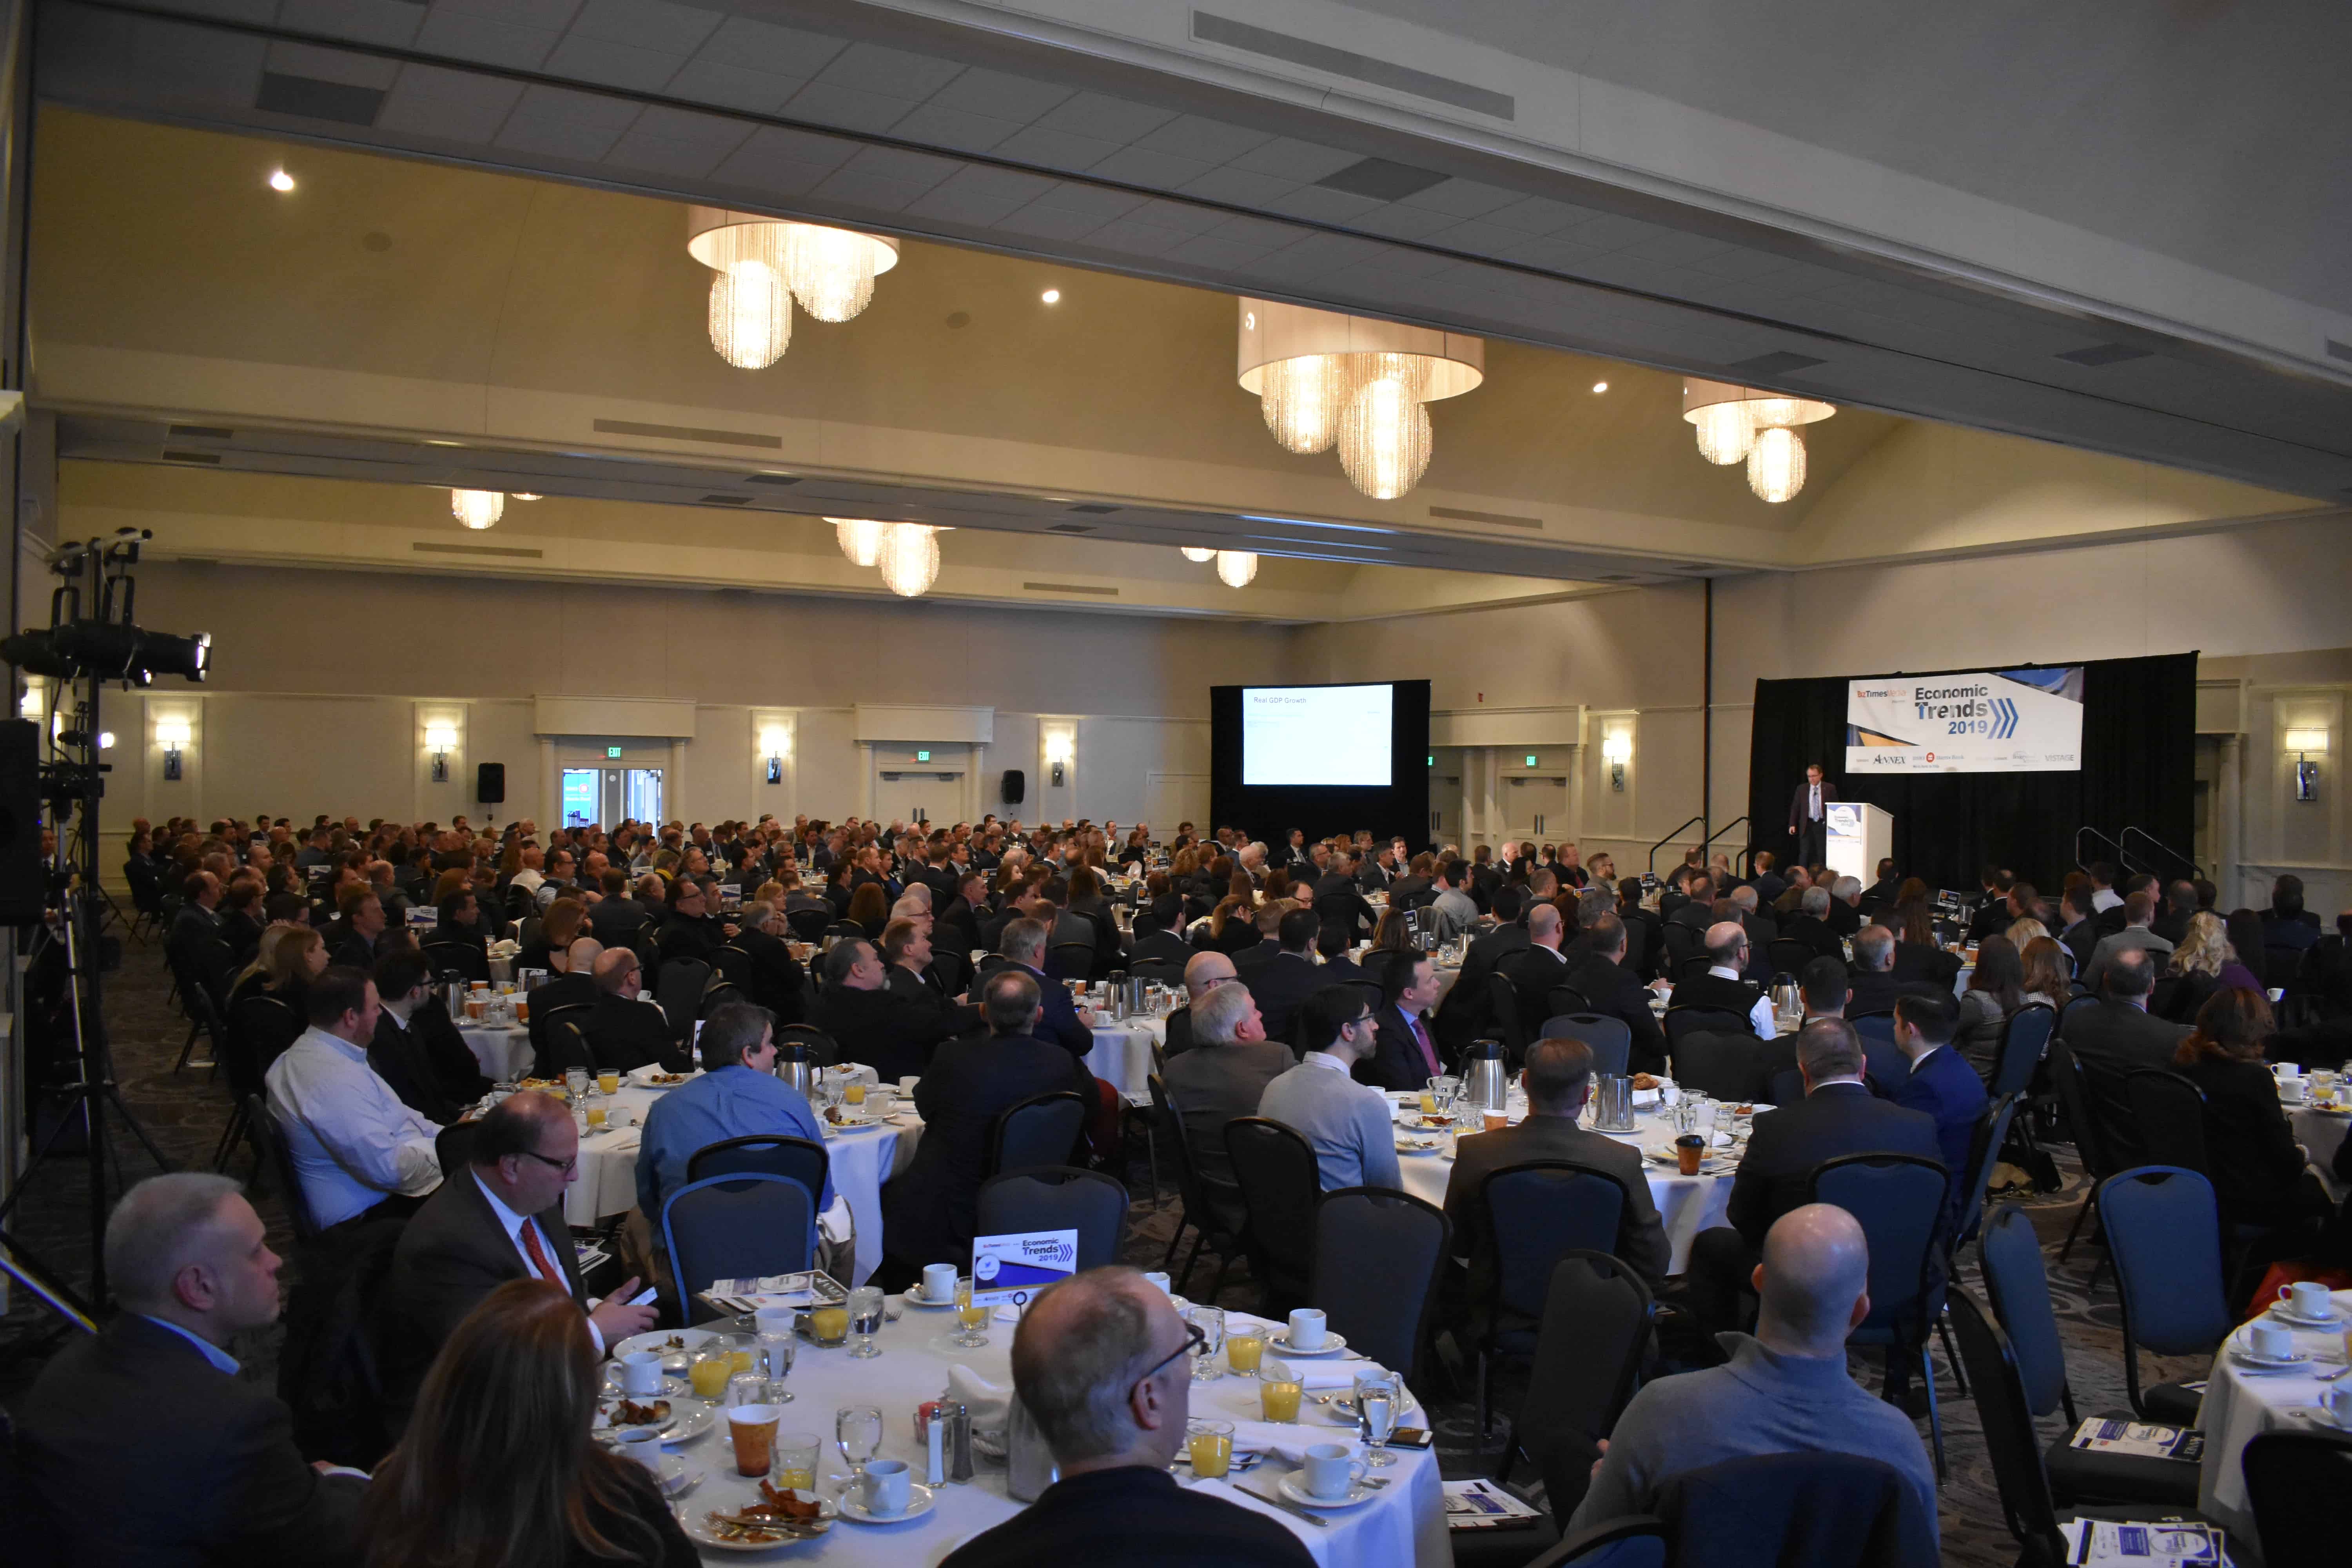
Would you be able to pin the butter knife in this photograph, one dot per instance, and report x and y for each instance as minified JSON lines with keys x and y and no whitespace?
{"x":1286,"y":1506}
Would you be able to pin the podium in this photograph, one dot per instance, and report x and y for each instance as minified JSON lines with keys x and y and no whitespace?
{"x":1859,"y":836}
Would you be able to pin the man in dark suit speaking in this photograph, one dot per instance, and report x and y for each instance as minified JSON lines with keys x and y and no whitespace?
{"x":1808,"y":811}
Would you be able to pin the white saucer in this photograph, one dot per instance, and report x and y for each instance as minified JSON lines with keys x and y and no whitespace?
{"x":1332,"y":1344}
{"x":1292,"y":1487}
{"x":2245,"y":1357}
{"x":919,"y":1502}
{"x":914,"y":1297}
{"x":2333,"y":1321}
{"x":699,"y":1531}
{"x":1416,"y":1152}
{"x":676,"y":1480}
{"x":845,"y":1127}
{"x":673,"y":1385}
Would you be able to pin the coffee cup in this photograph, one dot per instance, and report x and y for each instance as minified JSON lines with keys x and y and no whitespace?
{"x":616,"y":1116}
{"x":643,"y":1444}
{"x":641,"y":1373}
{"x":1495,"y":1120}
{"x":2337,"y":1401}
{"x":1159,"y":1281}
{"x":885,"y":1488}
{"x":773,"y":1322}
{"x":1689,"y":1149}
{"x":753,"y":1429}
{"x":1306,"y":1330}
{"x":2307,"y":1299}
{"x":1328,"y":1470}
{"x":906,"y":1085}
{"x":939,"y":1281}
{"x":2272,"y":1341}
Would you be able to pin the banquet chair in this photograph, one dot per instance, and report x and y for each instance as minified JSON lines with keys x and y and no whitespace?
{"x":1273,"y":1167}
{"x":1160,"y":971}
{"x":146,"y":895}
{"x":2009,"y":1256}
{"x":1377,"y":1256}
{"x":2090,"y":1141}
{"x":1727,"y":1064}
{"x":2297,"y":1482}
{"x":2024,"y":1039}
{"x":1566,"y":999}
{"x":1194,"y":1194}
{"x":1590,"y":1348}
{"x":801,"y":1160}
{"x":2168,"y":1111}
{"x":2006,"y":1413}
{"x":453,"y":1146}
{"x":1787,"y":956}
{"x":567,"y":1047}
{"x":1878,"y":1027}
{"x":737,"y":1226}
{"x":1074,"y":961}
{"x":844,"y":928}
{"x":2073,"y":1006}
{"x":1820,"y":1508}
{"x":1984,"y":1153}
{"x":1899,"y":1201}
{"x":732,"y":964}
{"x":1681,"y":945}
{"x":1503,"y":1024}
{"x":2165,"y":1236}
{"x":678,"y":990}
{"x":269,"y":1146}
{"x":808,"y":925}
{"x":1043,"y":1130}
{"x":1611,"y":1041}
{"x":1690,"y":1019}
{"x":1536,"y":1214}
{"x":461,"y":958}
{"x":823,"y":1049}
{"x":1057,"y":1197}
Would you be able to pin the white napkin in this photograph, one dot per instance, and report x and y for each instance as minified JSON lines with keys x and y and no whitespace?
{"x":1644,"y":1099}
{"x":989,"y":1403}
{"x":1285,"y":1442}
{"x":836,"y":1223}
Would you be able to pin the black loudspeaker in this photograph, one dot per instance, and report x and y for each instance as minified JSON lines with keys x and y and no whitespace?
{"x":1016,"y":785}
{"x":490,"y":783}
{"x":22,"y":883}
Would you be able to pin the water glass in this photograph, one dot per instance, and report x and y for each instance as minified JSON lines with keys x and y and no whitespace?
{"x":776,"y":1352}
{"x":864,"y":1320}
{"x":857,"y":1432}
{"x":1378,"y":1395}
{"x":745,"y":1388}
{"x":576,"y":1081}
{"x":1211,"y":1321}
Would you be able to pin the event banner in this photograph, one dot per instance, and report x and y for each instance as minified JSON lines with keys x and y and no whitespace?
{"x":1984,"y":721}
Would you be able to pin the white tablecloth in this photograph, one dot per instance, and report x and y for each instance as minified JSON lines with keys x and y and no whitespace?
{"x":504,"y":1051}
{"x":1122,"y":1054}
{"x":1687,"y":1205}
{"x":861,"y":1163}
{"x":2321,"y":1133}
{"x":2240,"y":1407}
{"x":1402,"y":1525}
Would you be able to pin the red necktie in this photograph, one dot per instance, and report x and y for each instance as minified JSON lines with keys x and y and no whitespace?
{"x":538,"y":1259}
{"x":1428,"y":1055}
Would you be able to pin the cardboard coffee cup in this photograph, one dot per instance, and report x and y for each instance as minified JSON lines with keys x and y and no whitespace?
{"x":1689,"y":1149}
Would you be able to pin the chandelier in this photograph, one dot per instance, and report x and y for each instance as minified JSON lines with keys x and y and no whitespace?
{"x":1236,"y":567}
{"x":860,"y":538}
{"x":907,"y":553}
{"x":1197,"y":553}
{"x":478,"y":509}
{"x":1323,"y":378}
{"x":1742,"y":424}
{"x":761,"y":265}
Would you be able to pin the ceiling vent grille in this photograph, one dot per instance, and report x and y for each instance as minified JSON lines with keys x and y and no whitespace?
{"x":199,"y":433}
{"x":726,"y":500}
{"x":1071,"y":588}
{"x":2099,"y":354}
{"x":172,"y":457}
{"x":1094,"y":509}
{"x":1072,"y":528}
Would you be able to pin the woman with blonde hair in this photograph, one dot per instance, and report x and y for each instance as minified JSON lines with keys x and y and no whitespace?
{"x":2024,"y":932}
{"x":266,"y":1009}
{"x":2046,"y":979}
{"x":510,"y":1398}
{"x":2194,"y":972}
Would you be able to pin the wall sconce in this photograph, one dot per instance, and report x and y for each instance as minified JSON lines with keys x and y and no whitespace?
{"x":106,"y":740}
{"x":775,"y":743}
{"x":171,"y":734}
{"x":1617,"y":750}
{"x":30,"y":705}
{"x":441,"y":737}
{"x":2304,"y":743}
{"x":1059,"y":747}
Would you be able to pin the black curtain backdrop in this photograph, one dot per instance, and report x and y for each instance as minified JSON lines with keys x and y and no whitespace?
{"x":1270,"y":812}
{"x":2139,"y":739}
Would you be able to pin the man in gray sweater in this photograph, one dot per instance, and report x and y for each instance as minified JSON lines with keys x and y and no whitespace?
{"x":1785,"y":1391}
{"x":1347,"y":1123}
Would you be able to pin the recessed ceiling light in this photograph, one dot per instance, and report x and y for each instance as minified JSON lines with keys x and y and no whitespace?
{"x":1051,"y":296}
{"x":1599,"y":386}
{"x":280,"y":180}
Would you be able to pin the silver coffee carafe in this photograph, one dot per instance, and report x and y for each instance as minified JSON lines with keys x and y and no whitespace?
{"x":793,"y":1066}
{"x":1485,"y":1076}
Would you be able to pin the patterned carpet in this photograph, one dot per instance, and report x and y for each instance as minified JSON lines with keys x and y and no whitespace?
{"x":184,"y":1112}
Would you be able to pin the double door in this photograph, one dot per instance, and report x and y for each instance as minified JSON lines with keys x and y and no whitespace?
{"x":607,"y":796}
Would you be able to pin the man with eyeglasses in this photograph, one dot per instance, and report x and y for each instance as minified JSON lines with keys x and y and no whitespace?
{"x":1347,"y":1123}
{"x":501,"y":1219}
{"x":1104,"y":1365}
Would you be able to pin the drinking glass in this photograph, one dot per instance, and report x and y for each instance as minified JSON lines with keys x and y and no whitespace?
{"x":1278,"y":1389}
{"x":576,"y":1081}
{"x":1242,"y":1350}
{"x":1211,"y":1447}
{"x":608,"y":1083}
{"x":970,"y":1319}
{"x":710,"y":1371}
{"x":776,"y":1354}
{"x":864,"y":1320}
{"x":796,"y":1461}
{"x":745,"y":1388}
{"x":857,"y":1432}
{"x":1211,"y":1321}
{"x":1377,"y":1398}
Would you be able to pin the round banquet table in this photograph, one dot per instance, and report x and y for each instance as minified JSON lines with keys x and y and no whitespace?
{"x":861,"y":1163}
{"x":2321,"y":1133}
{"x":503,"y":1049}
{"x":2241,"y":1404}
{"x":1403,"y":1524}
{"x":1121,"y":1057}
{"x":1687,"y":1205}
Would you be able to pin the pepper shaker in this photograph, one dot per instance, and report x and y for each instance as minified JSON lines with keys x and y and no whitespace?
{"x":957,"y":1416}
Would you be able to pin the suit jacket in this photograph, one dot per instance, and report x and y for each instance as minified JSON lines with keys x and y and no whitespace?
{"x":927,"y":989}
{"x":1737,"y":997}
{"x":2130,"y":937}
{"x":1162,"y":947}
{"x":929,"y":1212}
{"x":1801,"y":798}
{"x":776,"y":979}
{"x":886,"y":1028}
{"x":627,"y":1033}
{"x":399,"y":1058}
{"x":1336,"y":899}
{"x":1615,"y":992}
{"x":1816,"y":933}
{"x":1281,"y":986}
{"x":2082,"y":940}
{"x":1127,"y":1517}
{"x":144,"y":1455}
{"x":1062,"y":1025}
{"x":1844,"y":918}
{"x":1533,"y":970}
{"x":1871,"y":991}
{"x":1790,"y":1141}
{"x":1458,"y":1015}
{"x":1212,"y":1084}
{"x":560,"y":991}
{"x":1642,"y":1235}
{"x":452,"y":1253}
{"x":2249,"y":1146}
{"x":2111,"y":1039}
{"x":609,"y":921}
{"x":1944,"y":1086}
{"x":1248,"y":961}
{"x":1396,"y":1062}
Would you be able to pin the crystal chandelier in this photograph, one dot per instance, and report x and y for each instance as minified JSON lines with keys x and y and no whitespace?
{"x":1236,"y":567}
{"x":763,"y":263}
{"x":860,"y":538}
{"x":1197,"y":553}
{"x":910,"y":558}
{"x":1737,"y":424}
{"x":1322,"y":377}
{"x":478,"y":509}
{"x":751,"y":315}
{"x":831,"y":271}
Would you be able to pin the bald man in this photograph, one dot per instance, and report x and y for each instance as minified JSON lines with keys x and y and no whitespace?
{"x":1101,"y":1364}
{"x":1786,"y":1390}
{"x":1204,"y":972}
{"x":574,"y":984}
{"x":1535,"y":969}
{"x":624,"y":1029}
{"x":1724,"y":986}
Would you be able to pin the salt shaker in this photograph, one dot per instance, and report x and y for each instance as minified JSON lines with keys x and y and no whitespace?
{"x":935,"y":1436}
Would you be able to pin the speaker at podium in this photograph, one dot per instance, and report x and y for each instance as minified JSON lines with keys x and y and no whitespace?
{"x":1860,"y":836}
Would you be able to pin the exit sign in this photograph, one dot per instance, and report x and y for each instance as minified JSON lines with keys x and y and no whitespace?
{"x":612,"y":751}
{"x":922,"y":757}
{"x":1531,"y":758}
{"x":1432,"y":761}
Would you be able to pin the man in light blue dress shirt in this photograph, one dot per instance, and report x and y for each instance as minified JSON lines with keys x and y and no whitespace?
{"x":356,"y":1149}
{"x":738,"y":1095}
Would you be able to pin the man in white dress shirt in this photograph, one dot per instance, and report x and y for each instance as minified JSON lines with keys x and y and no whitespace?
{"x":356,"y":1149}
{"x":1347,"y":1123}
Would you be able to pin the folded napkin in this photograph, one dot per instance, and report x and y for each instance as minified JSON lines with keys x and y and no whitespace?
{"x":835,"y":1223}
{"x":989,"y":1403}
{"x":1644,"y":1099}
{"x":1285,"y":1442}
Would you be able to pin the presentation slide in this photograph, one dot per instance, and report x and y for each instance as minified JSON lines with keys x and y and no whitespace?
{"x":1322,"y":735}
{"x":1981,"y":722}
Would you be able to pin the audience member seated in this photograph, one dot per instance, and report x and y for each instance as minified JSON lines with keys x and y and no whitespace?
{"x":930,"y":1211}
{"x":1154,"y":943}
{"x":2286,"y":924}
{"x":356,"y":1149}
{"x":1942,"y":1084}
{"x":1332,"y":945}
{"x":508,"y":1402}
{"x":1614,"y":991}
{"x":1454,"y":911}
{"x":1839,"y":1115}
{"x":2115,"y":1035}
{"x":775,"y":979}
{"x":1460,"y":1015}
{"x":1225,"y":1075}
{"x":1283,"y":981}
{"x":738,"y":1095}
{"x":1534,"y":970}
{"x":691,"y":930}
{"x":1870,"y":985}
{"x":1067,"y":1024}
{"x":624,"y":1029}
{"x":1557,"y":1079}
{"x":357,"y":934}
{"x":560,"y":925}
{"x":890,"y":1032}
{"x":1347,"y":1123}
{"x":2193,"y":972}
{"x":143,"y":1443}
{"x":1785,"y":1391}
{"x":2045,"y":974}
{"x":1405,"y":1054}
{"x":1996,"y":991}
{"x":1846,"y":905}
{"x":285,"y":963}
{"x":1104,"y":1366}
{"x":501,"y":1218}
{"x":2139,"y":908}
{"x":461,"y":921}
{"x":571,"y":983}
{"x":616,"y":917}
{"x":912,"y":973}
{"x":431,"y":1069}
{"x":2250,"y":1150}
{"x":1723,"y":987}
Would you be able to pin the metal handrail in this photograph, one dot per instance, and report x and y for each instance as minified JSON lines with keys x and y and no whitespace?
{"x":1748,"y":849}
{"x":1669,"y":838}
{"x":2175,"y":856}
{"x":2115,"y":850}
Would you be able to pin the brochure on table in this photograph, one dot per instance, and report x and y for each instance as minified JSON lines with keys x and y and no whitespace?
{"x":1011,"y":1270}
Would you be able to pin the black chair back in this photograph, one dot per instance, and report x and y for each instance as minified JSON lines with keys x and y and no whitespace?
{"x":2010,"y":1441}
{"x":1377,"y":1256}
{"x":809,"y":925}
{"x":1191,"y":1188}
{"x":732,"y":964}
{"x":2170,"y":1113}
{"x":1822,"y":1510}
{"x":735,"y":1226}
{"x":1875,"y":1028}
{"x":1041,"y":1131}
{"x":678,"y":991}
{"x":2083,"y":1120}
{"x":1611,"y":1042}
{"x":1057,"y":1197}
{"x":2297,"y":1482}
{"x":1590,"y":1348}
{"x":1567,"y":1000}
{"x":1899,"y":1200}
{"x":844,"y":929}
{"x":1503,"y":1018}
{"x":1691,"y":1019}
{"x":1274,"y":1167}
{"x":822,"y":1050}
{"x":1074,"y":959}
{"x":800,"y":1160}
{"x":1537,"y":1213}
{"x":1728,"y":1064}
{"x":463,"y":957}
{"x":1160,"y":971}
{"x":269,"y":1143}
{"x":453,"y":1146}
{"x":261,"y":1027}
{"x":568,"y":1046}
{"x":1787,"y":956}
{"x":2023,"y":1041}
